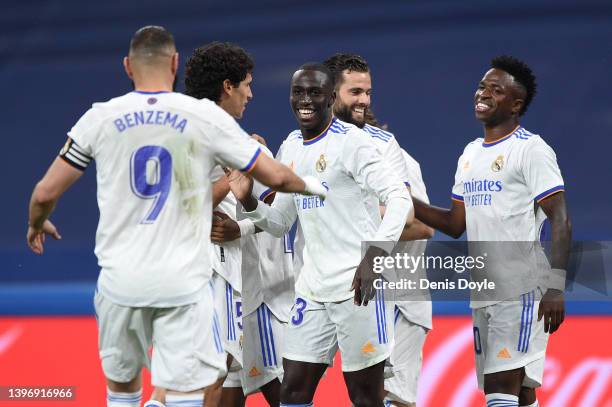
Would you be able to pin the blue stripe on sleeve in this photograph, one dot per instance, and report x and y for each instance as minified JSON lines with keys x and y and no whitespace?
{"x":251,"y":163}
{"x":548,"y":192}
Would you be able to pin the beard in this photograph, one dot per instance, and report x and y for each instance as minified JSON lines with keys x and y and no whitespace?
{"x":345,"y":113}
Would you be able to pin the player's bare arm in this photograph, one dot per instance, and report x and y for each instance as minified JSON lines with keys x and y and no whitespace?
{"x":56,"y":181}
{"x":220,"y":189}
{"x":552,"y":306}
{"x":448,"y":221}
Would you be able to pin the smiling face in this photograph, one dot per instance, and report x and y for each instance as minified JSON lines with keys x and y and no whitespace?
{"x":498,"y":98}
{"x":353,"y":98}
{"x":234,"y":99}
{"x":312,"y":96}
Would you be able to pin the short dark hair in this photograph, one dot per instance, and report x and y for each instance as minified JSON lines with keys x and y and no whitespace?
{"x":317,"y":66}
{"x":521,"y":73}
{"x":209,"y":66}
{"x":338,"y":63}
{"x":151,"y":42}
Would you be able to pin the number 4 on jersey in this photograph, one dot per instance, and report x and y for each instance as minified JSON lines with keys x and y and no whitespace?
{"x":151,"y":177}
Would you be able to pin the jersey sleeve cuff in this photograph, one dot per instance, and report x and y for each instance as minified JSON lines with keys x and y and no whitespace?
{"x":253,"y":161}
{"x":265,"y":194}
{"x":549,"y":192}
{"x":456,"y":197}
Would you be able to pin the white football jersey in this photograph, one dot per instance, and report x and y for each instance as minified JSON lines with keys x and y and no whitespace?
{"x":499,"y":184}
{"x":154,"y":155}
{"x":417,"y":312}
{"x":227,"y":257}
{"x":267,"y":266}
{"x":353,"y":171}
{"x":392,"y":154}
{"x":390,"y":150}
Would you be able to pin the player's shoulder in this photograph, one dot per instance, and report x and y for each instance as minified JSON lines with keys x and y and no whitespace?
{"x":522,"y":136}
{"x":531,"y":145}
{"x":473,"y":145}
{"x":337,"y":126}
{"x":409,"y":159}
{"x":205,"y":109}
{"x":101,"y":111}
{"x":340,"y":130}
{"x":294,"y":136}
{"x":378,"y":134}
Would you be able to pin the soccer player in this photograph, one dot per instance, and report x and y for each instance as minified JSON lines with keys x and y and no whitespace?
{"x":334,"y":281}
{"x":222,"y":72}
{"x":412,"y":319}
{"x":267,"y":297}
{"x":502,"y":184}
{"x":155,"y":150}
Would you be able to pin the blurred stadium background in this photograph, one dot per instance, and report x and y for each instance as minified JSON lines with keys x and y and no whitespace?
{"x":58,"y":57}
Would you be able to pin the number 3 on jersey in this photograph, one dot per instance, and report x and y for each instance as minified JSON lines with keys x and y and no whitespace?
{"x":151,"y":177}
{"x":299,"y":307}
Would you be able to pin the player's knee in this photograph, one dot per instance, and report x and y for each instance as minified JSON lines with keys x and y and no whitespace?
{"x":365,"y":399}
{"x":293,"y":394}
{"x":364,"y":394}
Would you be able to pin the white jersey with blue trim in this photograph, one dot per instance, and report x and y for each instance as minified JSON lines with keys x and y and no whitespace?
{"x":267,"y":266}
{"x":390,"y":150}
{"x":499,"y":184}
{"x":356,"y":176}
{"x":227,"y":256}
{"x":417,"y":312}
{"x":154,"y":156}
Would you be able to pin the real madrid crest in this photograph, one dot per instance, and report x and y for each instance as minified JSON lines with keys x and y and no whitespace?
{"x":466,"y":165}
{"x":321,"y":164}
{"x":498,"y":164}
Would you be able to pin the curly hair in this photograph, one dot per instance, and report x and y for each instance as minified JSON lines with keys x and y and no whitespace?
{"x":338,"y":63}
{"x":521,"y":73}
{"x":209,"y":66}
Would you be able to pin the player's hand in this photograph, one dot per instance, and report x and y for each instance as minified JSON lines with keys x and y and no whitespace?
{"x":363,"y":283}
{"x":259,"y":139}
{"x":240,"y":184}
{"x":552,"y":308}
{"x":224,"y":229}
{"x":36,"y":237}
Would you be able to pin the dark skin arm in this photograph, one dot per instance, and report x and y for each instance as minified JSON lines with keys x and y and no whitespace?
{"x":448,"y":221}
{"x":552,"y":305}
{"x":226,"y":229}
{"x":417,"y":230}
{"x":363,"y":282}
{"x":220,"y":189}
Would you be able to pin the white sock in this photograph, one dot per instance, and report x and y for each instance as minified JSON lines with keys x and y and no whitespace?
{"x":534,"y":404}
{"x":501,"y":400}
{"x":117,"y":399}
{"x":185,"y":400}
{"x":154,"y":403}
